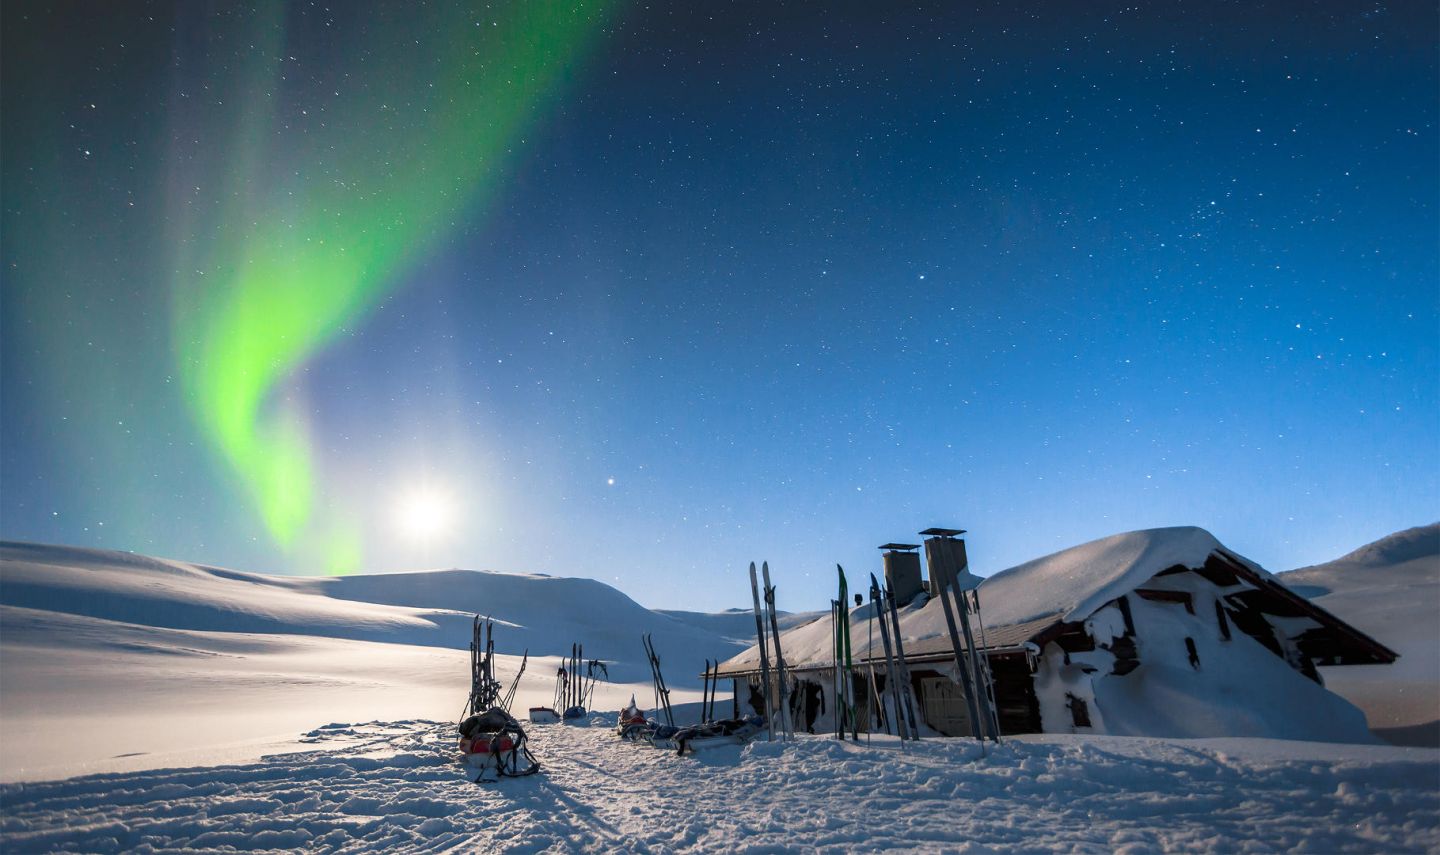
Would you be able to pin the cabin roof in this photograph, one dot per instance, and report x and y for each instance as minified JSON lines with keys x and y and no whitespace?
{"x":1034,"y":601}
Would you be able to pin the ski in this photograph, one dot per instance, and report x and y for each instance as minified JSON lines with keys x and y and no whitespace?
{"x":579,"y":682}
{"x":837,"y":702}
{"x":986,"y":677}
{"x":846,"y":695}
{"x":764,"y":656}
{"x":484,"y":688}
{"x":574,"y":682}
{"x":662,"y":694}
{"x":712,"y":689}
{"x":942,"y":576}
{"x":705,"y":693}
{"x":891,"y":681}
{"x":962,"y":606}
{"x":783,"y":704}
{"x":903,"y":668}
{"x":837,"y":622}
{"x":492,"y":685}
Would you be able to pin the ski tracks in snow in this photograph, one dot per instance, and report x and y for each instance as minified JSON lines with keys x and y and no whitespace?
{"x":397,"y":787}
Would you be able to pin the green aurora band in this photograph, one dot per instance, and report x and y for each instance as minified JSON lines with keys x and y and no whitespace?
{"x":369,"y":194}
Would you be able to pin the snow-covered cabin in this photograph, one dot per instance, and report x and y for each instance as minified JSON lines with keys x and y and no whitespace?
{"x":1163,"y":632}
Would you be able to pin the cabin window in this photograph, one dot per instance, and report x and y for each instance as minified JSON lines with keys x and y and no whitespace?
{"x":1194,"y":654}
{"x":1222,"y":620}
{"x":1079,"y":710}
{"x":1181,"y":597}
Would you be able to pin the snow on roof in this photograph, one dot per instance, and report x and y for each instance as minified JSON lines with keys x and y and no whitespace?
{"x":1066,"y":586}
{"x":1073,"y":583}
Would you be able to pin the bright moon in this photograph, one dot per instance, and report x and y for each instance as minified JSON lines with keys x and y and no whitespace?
{"x":425,"y":513}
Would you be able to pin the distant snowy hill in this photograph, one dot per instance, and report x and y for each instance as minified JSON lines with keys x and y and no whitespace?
{"x":738,"y":624}
{"x":544,"y":614}
{"x":1391,"y":590}
{"x":191,"y":661}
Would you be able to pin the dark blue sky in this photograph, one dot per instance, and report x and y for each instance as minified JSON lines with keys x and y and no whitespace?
{"x":800,"y":281}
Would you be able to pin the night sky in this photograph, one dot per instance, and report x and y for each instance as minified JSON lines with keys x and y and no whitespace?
{"x":646,"y":292}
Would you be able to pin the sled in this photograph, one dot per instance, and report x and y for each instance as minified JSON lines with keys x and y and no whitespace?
{"x":734,"y":731}
{"x":543,"y":715}
{"x":493,"y":746}
{"x":661,"y":735}
{"x":700,"y":743}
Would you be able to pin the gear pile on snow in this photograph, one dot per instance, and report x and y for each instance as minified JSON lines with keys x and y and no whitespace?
{"x":730,"y":731}
{"x":494,"y":747}
{"x":491,"y":740}
{"x":632,"y":724}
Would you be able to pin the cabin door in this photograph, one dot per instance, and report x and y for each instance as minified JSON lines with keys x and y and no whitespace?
{"x":944,"y":705}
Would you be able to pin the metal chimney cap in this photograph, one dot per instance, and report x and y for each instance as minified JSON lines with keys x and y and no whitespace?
{"x":943,"y":532}
{"x":899,"y":547}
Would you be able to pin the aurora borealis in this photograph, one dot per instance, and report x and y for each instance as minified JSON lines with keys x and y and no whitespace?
{"x":302,"y":257}
{"x":653,"y":291}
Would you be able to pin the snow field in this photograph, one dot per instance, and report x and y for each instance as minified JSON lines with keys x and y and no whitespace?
{"x":114,"y":662}
{"x":83,"y":695}
{"x":398,"y":787}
